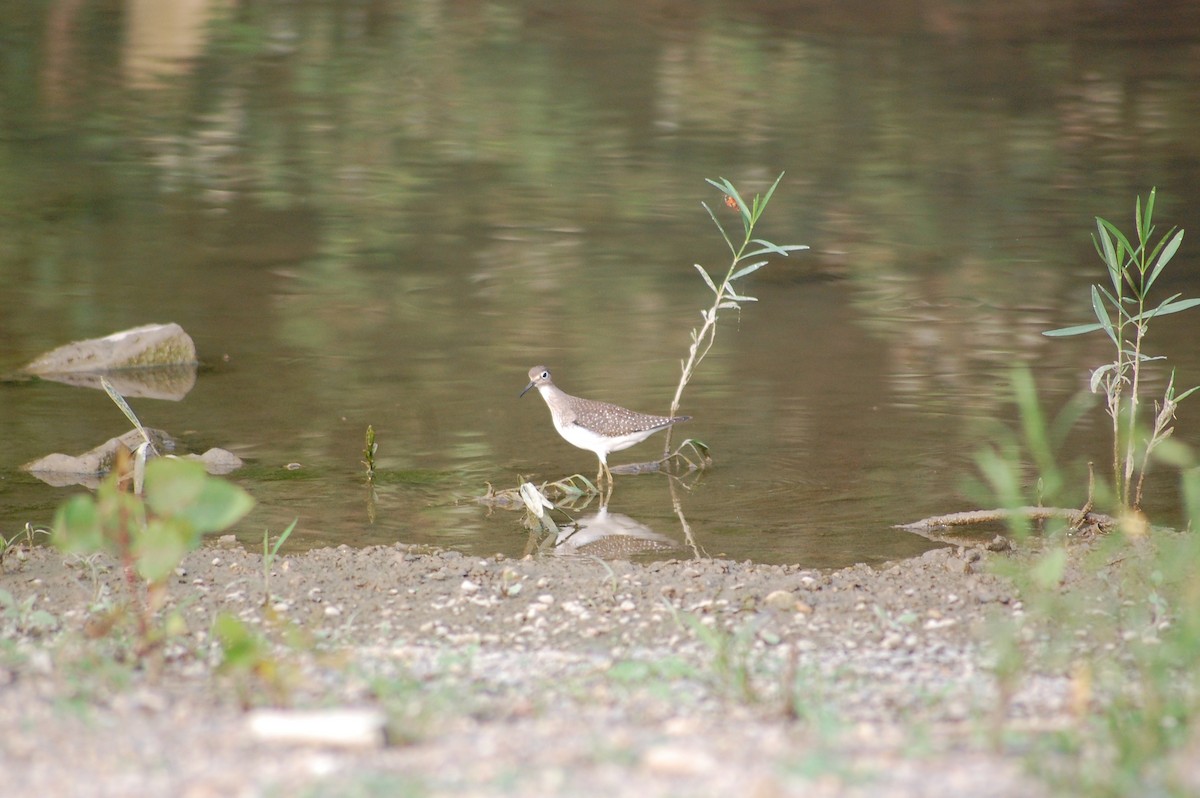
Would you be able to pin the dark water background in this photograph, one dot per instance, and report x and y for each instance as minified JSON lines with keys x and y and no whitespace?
{"x":385,"y":212}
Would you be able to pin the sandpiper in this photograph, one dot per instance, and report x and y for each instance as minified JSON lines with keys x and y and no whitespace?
{"x":599,"y":427}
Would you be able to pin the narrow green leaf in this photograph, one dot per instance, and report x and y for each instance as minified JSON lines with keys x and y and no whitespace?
{"x":1065,"y":421}
{"x":769,"y":246}
{"x":770,"y":191}
{"x":717,"y":222}
{"x":287,"y":533}
{"x":1144,"y":224}
{"x":1099,"y":374}
{"x":1123,"y":245}
{"x":726,"y":188}
{"x":172,"y":484}
{"x":1139,"y":221}
{"x":739,"y":298}
{"x":1108,"y":252}
{"x":120,"y":402}
{"x":1164,"y":257}
{"x":747,"y":215}
{"x":748,"y":269}
{"x":1078,"y":329}
{"x":775,"y":250}
{"x":1102,"y":315}
{"x":1186,"y":394}
{"x":1167,"y":308}
{"x":707,"y":279}
{"x":723,"y":185}
{"x":753,"y":267}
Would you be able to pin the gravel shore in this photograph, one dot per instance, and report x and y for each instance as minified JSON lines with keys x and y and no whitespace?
{"x":547,"y":676}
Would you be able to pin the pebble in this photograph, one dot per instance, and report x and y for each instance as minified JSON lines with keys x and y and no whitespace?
{"x":781,"y":600}
{"x":677,"y":760}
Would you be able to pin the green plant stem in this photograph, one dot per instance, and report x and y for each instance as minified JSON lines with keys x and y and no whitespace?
{"x":702,"y":344}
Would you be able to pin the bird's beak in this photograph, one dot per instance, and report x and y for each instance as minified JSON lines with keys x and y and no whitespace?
{"x":527,"y":387}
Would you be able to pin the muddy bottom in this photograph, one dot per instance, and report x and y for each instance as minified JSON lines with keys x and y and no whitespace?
{"x":553,"y":676}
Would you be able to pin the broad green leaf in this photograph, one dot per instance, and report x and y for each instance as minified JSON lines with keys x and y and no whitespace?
{"x":181,"y":489}
{"x":173,"y":484}
{"x":220,"y":505}
{"x":77,"y":528}
{"x":160,"y":547}
{"x":240,"y":648}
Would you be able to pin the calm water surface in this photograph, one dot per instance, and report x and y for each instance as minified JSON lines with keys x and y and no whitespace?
{"x":386,"y":214}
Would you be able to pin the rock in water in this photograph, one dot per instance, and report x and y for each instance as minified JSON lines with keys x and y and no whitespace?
{"x":149,"y":346}
{"x":89,"y":468}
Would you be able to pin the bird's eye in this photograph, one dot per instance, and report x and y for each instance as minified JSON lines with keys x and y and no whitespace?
{"x":545,"y":375}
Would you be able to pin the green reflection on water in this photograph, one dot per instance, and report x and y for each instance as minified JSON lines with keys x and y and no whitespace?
{"x":386,"y":214}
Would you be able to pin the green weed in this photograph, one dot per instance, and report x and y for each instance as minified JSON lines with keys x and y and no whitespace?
{"x":17,"y":546}
{"x":725,"y":295}
{"x":1118,"y":614}
{"x":269,"y":554}
{"x":23,"y":617}
{"x":249,"y":660}
{"x":149,"y":535}
{"x":1124,"y":314}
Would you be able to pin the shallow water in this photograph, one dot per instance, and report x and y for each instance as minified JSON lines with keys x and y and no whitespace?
{"x":385,"y":215}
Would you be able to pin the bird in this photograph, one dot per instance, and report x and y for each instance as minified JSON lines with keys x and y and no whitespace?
{"x":598,"y":427}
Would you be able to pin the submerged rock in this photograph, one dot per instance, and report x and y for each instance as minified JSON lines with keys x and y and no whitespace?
{"x":89,"y":468}
{"x":156,"y":361}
